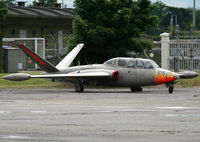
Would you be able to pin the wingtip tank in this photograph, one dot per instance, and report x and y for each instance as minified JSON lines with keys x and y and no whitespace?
{"x":17,"y":77}
{"x":188,"y":74}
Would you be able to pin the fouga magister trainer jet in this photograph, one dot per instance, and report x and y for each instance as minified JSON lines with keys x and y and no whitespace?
{"x":116,"y":72}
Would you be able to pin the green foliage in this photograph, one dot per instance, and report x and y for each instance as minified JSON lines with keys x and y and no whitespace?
{"x":10,"y":3}
{"x":3,"y":13}
{"x":189,"y":82}
{"x":198,"y":19}
{"x":47,"y":3}
{"x":184,"y":17}
{"x":3,"y":10}
{"x":107,"y":27}
{"x":164,"y":13}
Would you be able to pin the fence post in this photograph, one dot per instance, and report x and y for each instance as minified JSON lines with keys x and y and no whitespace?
{"x":164,"y":50}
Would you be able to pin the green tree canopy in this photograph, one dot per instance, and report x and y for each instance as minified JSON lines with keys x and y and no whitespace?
{"x":108,"y":27}
{"x":3,"y":13}
{"x":3,"y":10}
{"x":164,"y":14}
{"x":47,"y":3}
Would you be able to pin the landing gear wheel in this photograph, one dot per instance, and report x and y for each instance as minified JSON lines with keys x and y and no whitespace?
{"x":136,"y":89}
{"x":170,"y":85}
{"x":79,"y":86}
{"x":171,"y":89}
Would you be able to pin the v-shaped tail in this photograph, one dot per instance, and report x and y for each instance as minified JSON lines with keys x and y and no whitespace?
{"x":44,"y":64}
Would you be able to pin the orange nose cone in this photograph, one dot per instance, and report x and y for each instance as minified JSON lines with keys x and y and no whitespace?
{"x":159,"y":79}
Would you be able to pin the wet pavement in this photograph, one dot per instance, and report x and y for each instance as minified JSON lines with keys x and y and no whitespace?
{"x":60,"y":115}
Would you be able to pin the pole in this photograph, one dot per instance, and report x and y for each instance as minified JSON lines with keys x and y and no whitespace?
{"x":194,"y":14}
{"x":191,"y":48}
{"x":171,"y":25}
{"x":178,"y":49}
{"x":1,"y":54}
{"x":176,"y":20}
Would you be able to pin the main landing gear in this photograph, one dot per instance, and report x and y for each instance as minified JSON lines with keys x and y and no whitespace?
{"x":136,"y":89}
{"x":79,"y":86}
{"x":170,"y":86}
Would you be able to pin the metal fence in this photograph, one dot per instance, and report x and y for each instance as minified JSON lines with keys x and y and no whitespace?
{"x":188,"y":57}
{"x":36,"y":44}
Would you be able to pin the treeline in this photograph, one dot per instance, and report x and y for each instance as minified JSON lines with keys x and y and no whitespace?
{"x":165,"y":13}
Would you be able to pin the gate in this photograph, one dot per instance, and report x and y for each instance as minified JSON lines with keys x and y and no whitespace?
{"x":188,"y":57}
{"x":36,"y":44}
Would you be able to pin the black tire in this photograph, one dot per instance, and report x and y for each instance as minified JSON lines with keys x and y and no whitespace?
{"x":171,"y":89}
{"x":79,"y":88}
{"x":136,"y":89}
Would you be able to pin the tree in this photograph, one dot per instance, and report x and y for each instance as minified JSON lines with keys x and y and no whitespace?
{"x":3,"y":13}
{"x":198,"y":19}
{"x":47,"y":3}
{"x":10,"y":2}
{"x":165,"y":13}
{"x":107,"y":27}
{"x":184,"y":17}
{"x":160,"y":10}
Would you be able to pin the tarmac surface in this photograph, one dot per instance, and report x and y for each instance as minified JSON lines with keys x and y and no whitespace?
{"x":99,"y":115}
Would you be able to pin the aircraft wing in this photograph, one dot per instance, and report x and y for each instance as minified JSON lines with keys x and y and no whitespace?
{"x":90,"y":73}
{"x":73,"y":75}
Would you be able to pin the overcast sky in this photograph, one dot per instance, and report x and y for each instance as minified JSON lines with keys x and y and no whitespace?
{"x":175,"y":3}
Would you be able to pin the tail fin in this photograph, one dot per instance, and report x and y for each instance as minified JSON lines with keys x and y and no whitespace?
{"x":70,"y":57}
{"x":44,"y":64}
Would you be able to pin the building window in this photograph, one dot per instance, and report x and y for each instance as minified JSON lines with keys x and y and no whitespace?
{"x":22,"y":34}
{"x":51,"y":32}
{"x":33,"y":33}
{"x":13,"y":33}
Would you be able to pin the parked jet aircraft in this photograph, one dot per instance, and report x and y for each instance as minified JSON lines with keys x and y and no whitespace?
{"x":116,"y":72}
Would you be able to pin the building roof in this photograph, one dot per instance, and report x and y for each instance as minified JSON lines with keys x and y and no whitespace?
{"x":40,"y":12}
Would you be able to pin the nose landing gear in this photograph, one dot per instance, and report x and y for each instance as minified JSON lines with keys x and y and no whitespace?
{"x":136,"y":89}
{"x":170,"y":85}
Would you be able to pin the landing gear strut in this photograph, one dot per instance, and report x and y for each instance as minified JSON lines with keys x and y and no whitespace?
{"x":79,"y":86}
{"x":136,"y":89}
{"x":170,"y":85}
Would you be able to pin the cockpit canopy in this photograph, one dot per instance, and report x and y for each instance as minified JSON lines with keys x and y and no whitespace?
{"x":132,"y":63}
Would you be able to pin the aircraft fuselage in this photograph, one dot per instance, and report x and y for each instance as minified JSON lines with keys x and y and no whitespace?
{"x":128,"y":77}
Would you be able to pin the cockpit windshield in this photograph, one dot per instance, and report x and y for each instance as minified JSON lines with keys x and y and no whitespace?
{"x":155,"y":65}
{"x":132,"y":63}
{"x":111,"y":62}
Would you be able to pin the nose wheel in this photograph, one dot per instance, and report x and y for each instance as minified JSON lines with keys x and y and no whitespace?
{"x":136,"y":89}
{"x":170,"y":86}
{"x":171,"y":89}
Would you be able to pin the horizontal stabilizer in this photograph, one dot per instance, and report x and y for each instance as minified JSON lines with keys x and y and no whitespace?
{"x":44,"y":64}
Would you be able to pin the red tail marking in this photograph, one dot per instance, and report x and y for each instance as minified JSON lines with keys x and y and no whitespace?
{"x":35,"y":57}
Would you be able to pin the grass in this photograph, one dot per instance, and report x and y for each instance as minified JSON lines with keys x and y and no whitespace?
{"x":31,"y":83}
{"x":189,"y":82}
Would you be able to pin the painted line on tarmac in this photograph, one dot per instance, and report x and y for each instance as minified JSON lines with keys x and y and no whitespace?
{"x":4,"y":112}
{"x":39,"y":112}
{"x":176,"y":108}
{"x":13,"y":137}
